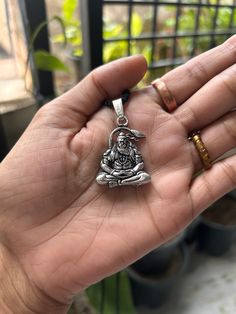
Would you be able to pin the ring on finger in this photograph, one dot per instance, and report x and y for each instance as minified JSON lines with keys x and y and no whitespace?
{"x":166,"y":96}
{"x":195,"y":137}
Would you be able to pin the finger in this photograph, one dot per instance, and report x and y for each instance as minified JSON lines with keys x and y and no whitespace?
{"x":213,"y":184}
{"x":219,"y":138}
{"x":210,"y":102}
{"x":185,"y":80}
{"x":107,"y":81}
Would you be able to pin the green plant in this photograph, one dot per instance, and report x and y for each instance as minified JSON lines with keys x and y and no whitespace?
{"x":125,"y":300}
{"x":69,"y":36}
{"x":72,"y":27}
{"x":117,"y":49}
{"x":44,"y":60}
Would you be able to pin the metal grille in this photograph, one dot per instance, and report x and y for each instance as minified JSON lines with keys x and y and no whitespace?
{"x":177,"y":30}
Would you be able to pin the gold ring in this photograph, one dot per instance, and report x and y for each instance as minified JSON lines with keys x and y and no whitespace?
{"x":166,"y":96}
{"x":201,"y":149}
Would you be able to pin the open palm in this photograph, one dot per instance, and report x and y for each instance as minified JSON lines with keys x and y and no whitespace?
{"x":64,"y":229}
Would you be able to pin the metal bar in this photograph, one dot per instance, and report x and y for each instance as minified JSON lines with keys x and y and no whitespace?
{"x":168,"y":62}
{"x":177,"y":15}
{"x":91,"y":20}
{"x":36,"y":13}
{"x":31,"y":61}
{"x":130,"y":10}
{"x":231,"y":22}
{"x":154,"y":30}
{"x":171,"y":36}
{"x":214,"y":24}
{"x":165,"y":3}
{"x":197,"y":19}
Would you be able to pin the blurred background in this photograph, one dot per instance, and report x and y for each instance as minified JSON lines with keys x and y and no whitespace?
{"x":46,"y":47}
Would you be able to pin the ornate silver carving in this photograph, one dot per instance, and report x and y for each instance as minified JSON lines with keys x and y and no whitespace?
{"x":122,"y":163}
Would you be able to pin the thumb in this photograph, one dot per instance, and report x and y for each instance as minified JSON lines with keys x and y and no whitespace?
{"x":107,"y":81}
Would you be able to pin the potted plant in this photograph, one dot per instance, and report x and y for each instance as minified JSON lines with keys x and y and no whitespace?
{"x":150,"y":291}
{"x":158,"y":260}
{"x":217,"y":229}
{"x":69,"y":39}
{"x":72,"y":35}
{"x":112,"y":295}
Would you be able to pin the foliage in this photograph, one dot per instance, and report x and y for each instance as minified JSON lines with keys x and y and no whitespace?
{"x":163,"y":48}
{"x":125,"y":304}
{"x":72,"y":28}
{"x":44,"y":60}
{"x":70,"y":35}
{"x":118,"y":48}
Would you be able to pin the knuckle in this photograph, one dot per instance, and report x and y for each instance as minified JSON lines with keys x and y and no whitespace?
{"x":94,"y":76}
{"x":188,"y":118}
{"x":230,"y":45}
{"x":227,"y":80}
{"x":197,"y":71}
{"x":229,"y":172}
{"x":230,"y":125}
{"x":231,"y":42}
{"x":41,"y":113}
{"x":44,"y":114}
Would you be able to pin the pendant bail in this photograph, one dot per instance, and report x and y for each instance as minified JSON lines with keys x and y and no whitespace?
{"x":118,"y":106}
{"x":122,"y":163}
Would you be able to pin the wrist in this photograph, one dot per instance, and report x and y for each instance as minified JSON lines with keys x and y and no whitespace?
{"x":18,"y":294}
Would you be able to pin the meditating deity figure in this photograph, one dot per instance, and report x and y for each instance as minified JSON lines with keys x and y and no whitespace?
{"x":122,"y":163}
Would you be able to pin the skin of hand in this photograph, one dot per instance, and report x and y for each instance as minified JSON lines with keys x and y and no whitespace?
{"x":59,"y":230}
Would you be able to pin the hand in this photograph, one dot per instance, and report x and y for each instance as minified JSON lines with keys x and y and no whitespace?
{"x":60,"y":229}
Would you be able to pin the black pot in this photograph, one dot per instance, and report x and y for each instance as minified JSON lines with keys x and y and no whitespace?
{"x":14,"y":120}
{"x":215,"y":237}
{"x":152,"y":291}
{"x":159,"y":259}
{"x":232,"y":194}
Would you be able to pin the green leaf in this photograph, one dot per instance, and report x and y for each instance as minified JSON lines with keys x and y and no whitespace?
{"x":136,"y":24}
{"x":77,"y":52}
{"x":126,"y":304}
{"x":114,"y":50}
{"x":68,"y":9}
{"x":112,"y":30}
{"x":43,"y":24}
{"x":187,"y":20}
{"x":48,"y":62}
{"x":223,"y":19}
{"x":58,"y":39}
{"x":147,"y":50}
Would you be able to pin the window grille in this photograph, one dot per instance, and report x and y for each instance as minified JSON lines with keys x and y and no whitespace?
{"x":172,"y":32}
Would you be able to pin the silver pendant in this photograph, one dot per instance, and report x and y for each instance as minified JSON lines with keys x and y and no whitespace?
{"x":122,"y":163}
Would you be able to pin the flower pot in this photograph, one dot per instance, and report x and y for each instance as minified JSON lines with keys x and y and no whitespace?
{"x":217,"y":229}
{"x":159,"y":259}
{"x":15,"y":118}
{"x":232,"y":194}
{"x":151,"y":291}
